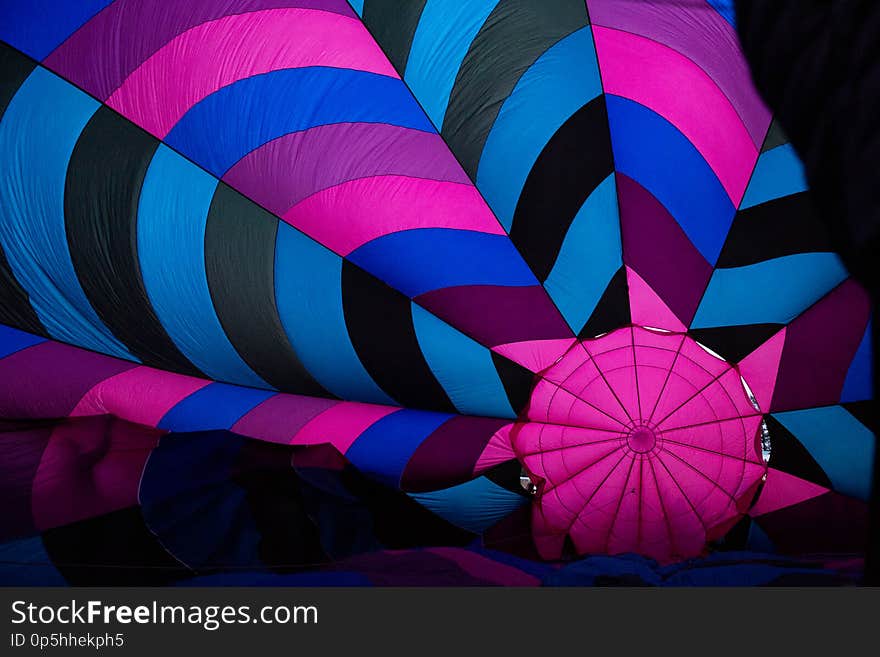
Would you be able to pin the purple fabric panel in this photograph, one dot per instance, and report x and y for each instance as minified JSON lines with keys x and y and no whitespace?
{"x":102,"y":53}
{"x":286,"y":170}
{"x":91,"y":466}
{"x":494,"y":315}
{"x":22,"y":447}
{"x":819,"y":347}
{"x":47,"y":380}
{"x":700,"y":33}
{"x":656,"y":247}
{"x":280,"y":417}
{"x":828,"y":524}
{"x":410,"y":568}
{"x":447,"y":457}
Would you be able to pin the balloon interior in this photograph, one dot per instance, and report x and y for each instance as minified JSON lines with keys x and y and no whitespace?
{"x":491,"y":292}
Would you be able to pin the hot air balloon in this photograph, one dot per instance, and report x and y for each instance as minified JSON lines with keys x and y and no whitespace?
{"x":315,"y":284}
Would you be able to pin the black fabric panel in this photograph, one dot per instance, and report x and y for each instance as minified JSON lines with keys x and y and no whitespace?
{"x":289,"y":538}
{"x":101,"y":195}
{"x":507,"y":475}
{"x":379,"y":321}
{"x":866,"y":413}
{"x":240,"y":266}
{"x":516,"y":33}
{"x":116,"y":549}
{"x":775,"y":137}
{"x":789,"y":455}
{"x":517,"y":381}
{"x":14,"y":70}
{"x":572,"y":164}
{"x":612,"y":311}
{"x":398,"y":521}
{"x":15,"y":308}
{"x":513,"y":534}
{"x":737,"y":538}
{"x":735,"y":342}
{"x":393,"y":25}
{"x":816,"y":66}
{"x":781,"y":227}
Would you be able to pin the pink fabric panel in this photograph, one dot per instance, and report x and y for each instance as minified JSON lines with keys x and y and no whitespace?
{"x":781,"y":490}
{"x":653,"y":362}
{"x":213,"y":55}
{"x":278,"y":418}
{"x":578,"y":376}
{"x":662,"y":486}
{"x":534,"y":355}
{"x":571,"y":470}
{"x":680,"y":91}
{"x":688,"y":534}
{"x":699,"y":33}
{"x":91,"y":466}
{"x":617,"y":366}
{"x":688,"y":381}
{"x":655,"y":532}
{"x":736,"y":439}
{"x":725,"y":477}
{"x":599,"y":493}
{"x":724,"y":398}
{"x":708,"y":499}
{"x":284,"y":171}
{"x":761,"y":367}
{"x":548,"y":541}
{"x":647,"y":308}
{"x":554,"y":405}
{"x":627,"y":524}
{"x":341,"y":425}
{"x":497,"y":450}
{"x":351,"y":214}
{"x":692,"y":352}
{"x":141,"y":395}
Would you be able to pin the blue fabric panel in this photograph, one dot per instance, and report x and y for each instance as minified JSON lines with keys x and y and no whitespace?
{"x":224,"y":127}
{"x":758,"y":539}
{"x":443,"y":36}
{"x":358,"y":6}
{"x":248,"y":578}
{"x":589,"y":256}
{"x":37,"y":135}
{"x":193,"y":505}
{"x":778,"y":173}
{"x":172,"y":214}
{"x":726,"y":9}
{"x":859,"y":383}
{"x":37,"y":27}
{"x":558,"y":84}
{"x":774,"y":291}
{"x":462,"y":366}
{"x":421,"y":260}
{"x":841,"y":445}
{"x":12,"y":340}
{"x":216,"y":406}
{"x":383,"y":450}
{"x":308,"y":293}
{"x":25,"y":562}
{"x":651,"y":151}
{"x":475,"y":505}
